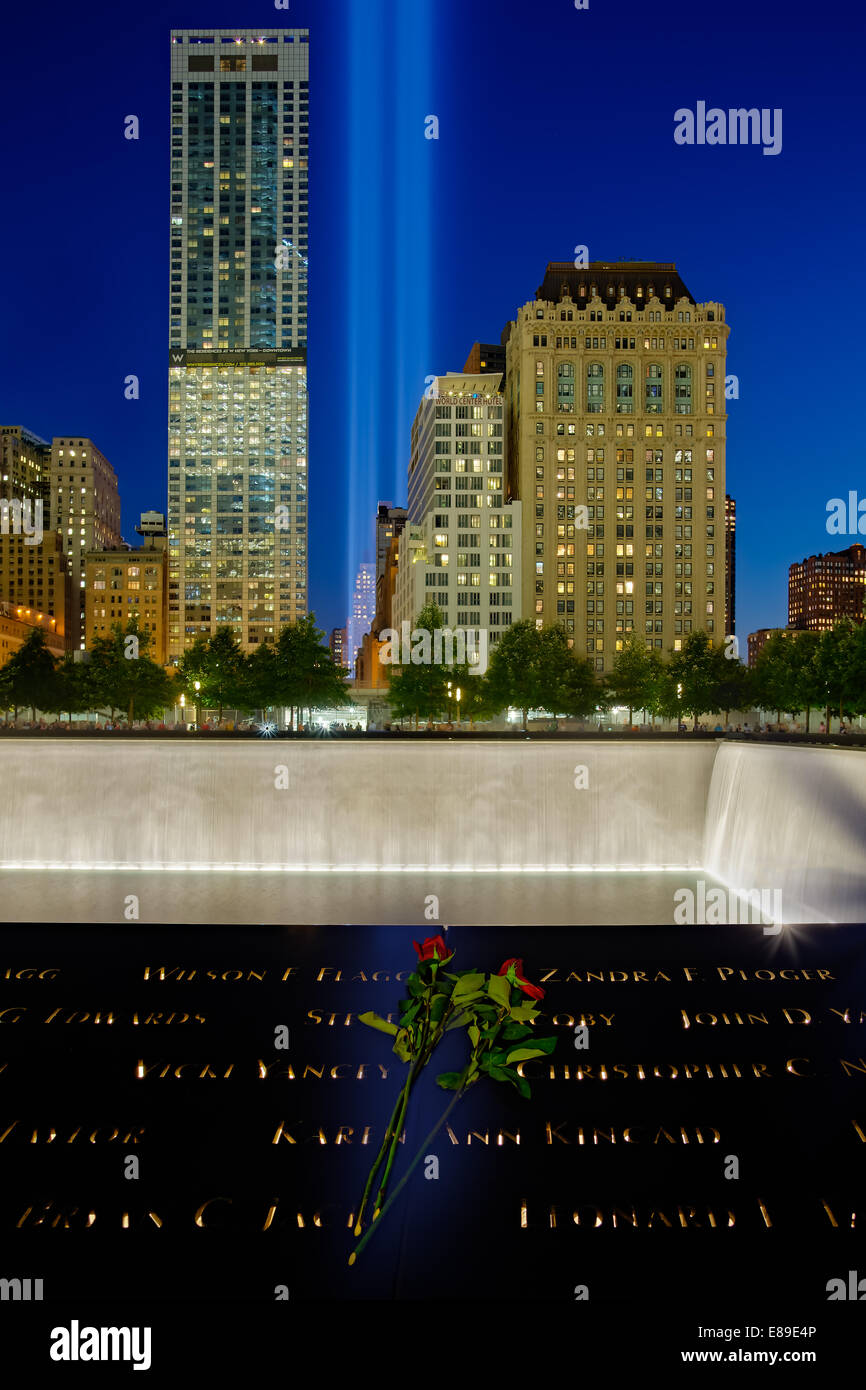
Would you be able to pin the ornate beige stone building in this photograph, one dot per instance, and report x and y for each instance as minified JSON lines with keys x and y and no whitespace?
{"x":615,"y":411}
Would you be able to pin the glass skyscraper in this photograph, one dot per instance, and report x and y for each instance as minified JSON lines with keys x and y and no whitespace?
{"x":237,"y":469}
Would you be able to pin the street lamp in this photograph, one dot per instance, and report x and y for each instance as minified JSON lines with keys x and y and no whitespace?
{"x":197,"y":688}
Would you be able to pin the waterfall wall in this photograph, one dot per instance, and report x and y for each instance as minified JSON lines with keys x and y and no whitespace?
{"x":458,"y":805}
{"x":794,"y":819}
{"x":756,"y":816}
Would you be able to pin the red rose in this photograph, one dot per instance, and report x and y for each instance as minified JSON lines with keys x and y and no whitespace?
{"x":534,"y":991}
{"x":434,"y":948}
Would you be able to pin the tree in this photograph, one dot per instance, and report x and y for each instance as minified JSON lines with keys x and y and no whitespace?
{"x":633,"y":674}
{"x":120,"y":675}
{"x":804,"y":674}
{"x":513,"y":677}
{"x":73,"y":687}
{"x":219,"y":666}
{"x":567,"y":682}
{"x":772,"y":675}
{"x":419,"y":690}
{"x":694,"y":670}
{"x":306,"y":674}
{"x":28,"y":677}
{"x":836,"y":666}
{"x":534,"y":668}
{"x":262,"y":678}
{"x":734,"y":683}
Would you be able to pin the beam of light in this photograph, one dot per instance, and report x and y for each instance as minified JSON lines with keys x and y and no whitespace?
{"x":368,"y":109}
{"x":390,"y":262}
{"x":415,"y":161}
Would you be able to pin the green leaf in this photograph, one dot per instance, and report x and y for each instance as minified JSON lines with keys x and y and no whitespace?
{"x":374,"y":1021}
{"x":402,"y":1045}
{"x":523,"y":1054}
{"x":499,"y":990}
{"x":470,"y":983}
{"x":523,"y":1087}
{"x":524,"y":1012}
{"x":415,"y":986}
{"x":512,"y":1031}
{"x":474,"y":1034}
{"x":449,"y":1080}
{"x":437,"y":1008}
{"x":498,"y":1073}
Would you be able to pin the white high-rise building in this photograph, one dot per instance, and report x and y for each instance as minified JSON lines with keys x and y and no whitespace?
{"x":461,"y":546}
{"x":237,"y":473}
{"x":363,"y":612}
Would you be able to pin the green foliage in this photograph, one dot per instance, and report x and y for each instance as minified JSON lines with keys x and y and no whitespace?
{"x":634,"y":674}
{"x":697,"y":671}
{"x":419,"y":690}
{"x":534,"y":668}
{"x":28,"y":677}
{"x":118,"y":679}
{"x":219,"y":665}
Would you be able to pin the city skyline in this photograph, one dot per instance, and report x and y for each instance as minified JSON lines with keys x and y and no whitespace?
{"x":786,"y":455}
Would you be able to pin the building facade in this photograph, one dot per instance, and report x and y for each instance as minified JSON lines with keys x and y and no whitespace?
{"x":390,"y":521}
{"x":237,"y":468}
{"x":615,"y":405}
{"x":363,"y":611}
{"x":85,"y":510}
{"x":338,"y":643}
{"x":25,"y":468}
{"x":486,"y":358}
{"x":824,"y":588}
{"x":758,"y":640}
{"x":461,"y":546}
{"x":730,"y":565}
{"x":16,"y":624}
{"x":34,"y":583}
{"x":124,"y":584}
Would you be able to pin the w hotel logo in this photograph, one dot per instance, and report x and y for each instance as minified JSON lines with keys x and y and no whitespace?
{"x":21,"y":1290}
{"x":177,"y":357}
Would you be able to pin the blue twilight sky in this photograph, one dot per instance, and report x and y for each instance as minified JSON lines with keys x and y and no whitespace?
{"x":555,"y":129}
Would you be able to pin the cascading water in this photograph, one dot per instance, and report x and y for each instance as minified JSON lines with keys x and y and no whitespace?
{"x":792,"y":819}
{"x":564,"y":831}
{"x":375,"y":805}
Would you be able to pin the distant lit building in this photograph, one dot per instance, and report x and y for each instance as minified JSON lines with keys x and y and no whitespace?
{"x":34,"y":579}
{"x":370,"y":672}
{"x":824,"y":588}
{"x":122,"y":584}
{"x":758,"y":640}
{"x":363,"y":610}
{"x":730,"y":565}
{"x":338,"y":644}
{"x":25,"y":468}
{"x":85,"y":510}
{"x":15,"y":626}
{"x":487,"y":359}
{"x":461,"y":547}
{"x":237,"y":379}
{"x":389,"y":523}
{"x":616,"y":424}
